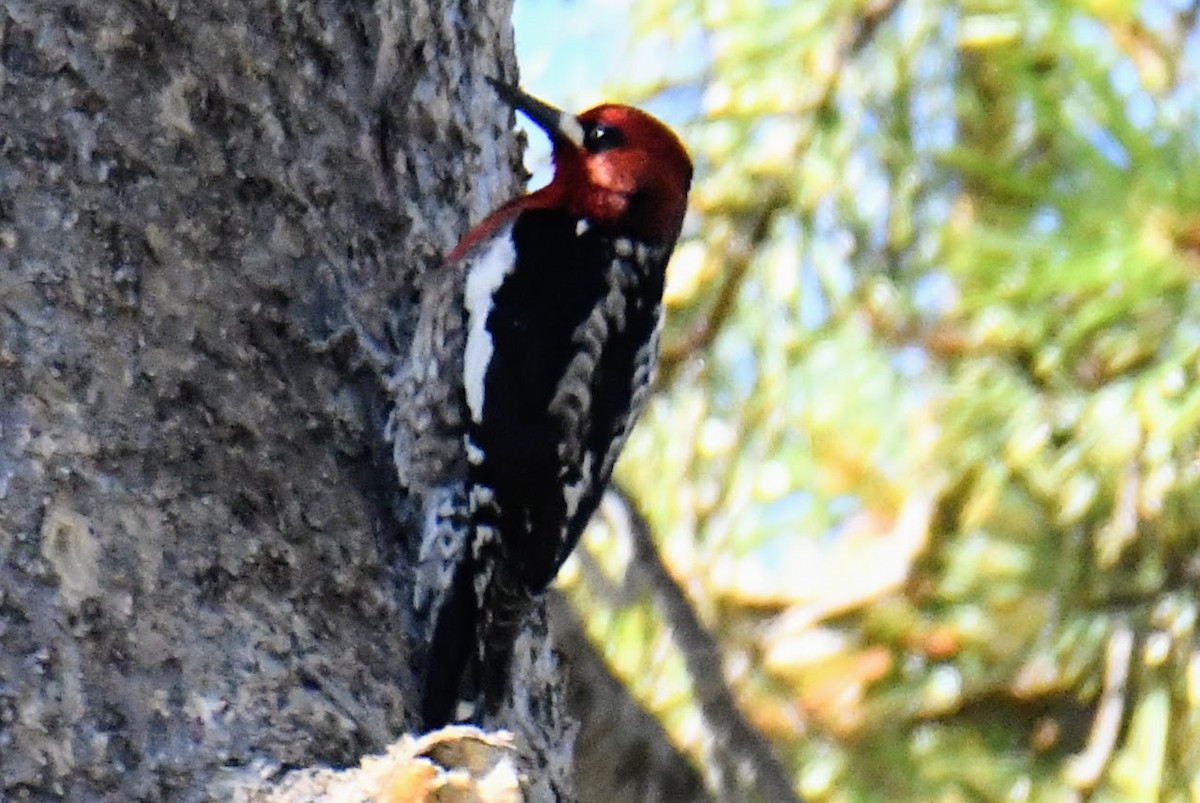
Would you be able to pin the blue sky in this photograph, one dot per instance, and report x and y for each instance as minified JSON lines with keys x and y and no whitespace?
{"x":566,"y":50}
{"x":576,"y":53}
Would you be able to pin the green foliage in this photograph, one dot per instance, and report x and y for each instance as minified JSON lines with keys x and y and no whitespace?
{"x":926,"y":447}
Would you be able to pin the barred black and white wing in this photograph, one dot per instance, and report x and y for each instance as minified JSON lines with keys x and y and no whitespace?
{"x":572,"y":333}
{"x":558,"y":336}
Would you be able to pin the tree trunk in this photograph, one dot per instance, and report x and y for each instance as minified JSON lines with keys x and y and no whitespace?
{"x":206,"y":208}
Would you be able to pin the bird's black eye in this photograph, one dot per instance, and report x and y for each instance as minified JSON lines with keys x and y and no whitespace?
{"x":599,"y":138}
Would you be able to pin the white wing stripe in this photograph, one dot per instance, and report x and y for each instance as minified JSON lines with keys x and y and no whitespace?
{"x":486,"y":274}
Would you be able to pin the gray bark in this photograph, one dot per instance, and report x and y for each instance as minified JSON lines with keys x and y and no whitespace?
{"x":204,"y":208}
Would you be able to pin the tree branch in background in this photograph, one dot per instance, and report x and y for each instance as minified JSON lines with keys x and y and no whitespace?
{"x":1086,"y":769}
{"x":737,"y":267}
{"x":622,"y":753}
{"x":740,"y":756}
{"x":738,"y":260}
{"x":868,"y":23}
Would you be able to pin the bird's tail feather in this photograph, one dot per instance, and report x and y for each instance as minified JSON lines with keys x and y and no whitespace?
{"x":451,"y":649}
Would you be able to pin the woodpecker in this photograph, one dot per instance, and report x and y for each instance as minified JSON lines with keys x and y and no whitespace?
{"x":533,"y":355}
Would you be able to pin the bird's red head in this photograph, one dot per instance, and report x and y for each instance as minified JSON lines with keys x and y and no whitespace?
{"x":621,"y":168}
{"x":618,"y":167}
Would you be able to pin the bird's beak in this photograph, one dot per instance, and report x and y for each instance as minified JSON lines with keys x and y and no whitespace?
{"x":558,"y":125}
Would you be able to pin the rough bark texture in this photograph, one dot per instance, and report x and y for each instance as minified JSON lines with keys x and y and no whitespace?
{"x":200,"y":204}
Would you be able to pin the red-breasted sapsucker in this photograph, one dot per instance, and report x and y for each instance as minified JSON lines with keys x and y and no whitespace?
{"x":532,"y":358}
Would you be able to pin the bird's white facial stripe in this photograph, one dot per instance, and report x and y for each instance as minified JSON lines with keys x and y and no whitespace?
{"x":569,"y":127}
{"x":486,"y":274}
